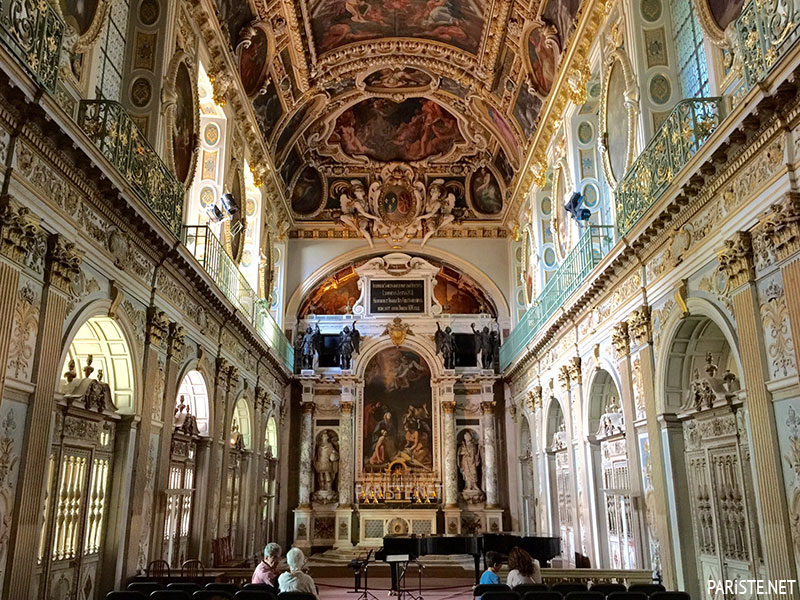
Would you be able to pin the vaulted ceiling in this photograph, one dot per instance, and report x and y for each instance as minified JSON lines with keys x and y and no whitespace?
{"x":453,"y":88}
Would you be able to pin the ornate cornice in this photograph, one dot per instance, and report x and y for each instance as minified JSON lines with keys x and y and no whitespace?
{"x":63,"y":262}
{"x":736,"y":259}
{"x":18,"y":230}
{"x":639,"y":326}
{"x":620,"y":339}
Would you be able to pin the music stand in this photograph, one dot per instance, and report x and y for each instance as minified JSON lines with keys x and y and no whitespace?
{"x":360,"y":567}
{"x":401,"y":562}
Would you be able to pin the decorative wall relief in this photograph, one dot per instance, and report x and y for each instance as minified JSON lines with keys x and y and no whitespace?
{"x":792,"y":457}
{"x":775,"y":316}
{"x":12,"y":425}
{"x":23,"y":336}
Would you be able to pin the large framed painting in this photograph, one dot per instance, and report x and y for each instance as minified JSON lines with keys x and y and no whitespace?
{"x":236,"y":227}
{"x":716,"y":15}
{"x":308,"y":192}
{"x":618,"y":107}
{"x":84,"y":16}
{"x":254,"y":60}
{"x":397,"y":412}
{"x":184,"y":125}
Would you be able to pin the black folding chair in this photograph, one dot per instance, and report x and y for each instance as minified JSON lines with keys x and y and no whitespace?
{"x":646,"y":588}
{"x":566,"y":587}
{"x":251,"y":594}
{"x":584,"y":596}
{"x":670,"y":596}
{"x":544,"y":595}
{"x":126,"y":595}
{"x":146,"y":587}
{"x":231,"y":588}
{"x":296,"y":596}
{"x":169,"y":595}
{"x":212,"y":595}
{"x":626,"y":596}
{"x":482,"y":588}
{"x":184,"y":586}
{"x":502,"y":595}
{"x":608,"y":588}
{"x":524,"y":588}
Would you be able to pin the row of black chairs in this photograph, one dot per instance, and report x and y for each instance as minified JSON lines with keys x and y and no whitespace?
{"x":212,"y":591}
{"x":564,"y":588}
{"x":517,"y":594}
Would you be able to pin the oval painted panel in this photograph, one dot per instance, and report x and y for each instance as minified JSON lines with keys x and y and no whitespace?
{"x":79,"y":13}
{"x":253,"y":62}
{"x":725,"y":12}
{"x":307,"y":192}
{"x":549,"y":257}
{"x":617,"y":122}
{"x":487,"y":196}
{"x":544,"y":57}
{"x":183,"y":133}
{"x":590,"y":196}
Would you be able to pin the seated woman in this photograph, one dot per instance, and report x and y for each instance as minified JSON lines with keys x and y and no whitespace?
{"x":267,"y":570}
{"x":522,"y":568}
{"x":294,"y":580}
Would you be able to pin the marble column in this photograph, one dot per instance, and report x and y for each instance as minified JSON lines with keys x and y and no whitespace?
{"x":737,"y":262}
{"x":344,"y":512}
{"x":489,"y":453}
{"x":450,"y":468}
{"x":306,"y":446}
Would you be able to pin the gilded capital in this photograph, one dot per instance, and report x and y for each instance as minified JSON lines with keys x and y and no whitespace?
{"x":449,"y":406}
{"x":18,"y":231}
{"x":563,"y":377}
{"x":620,"y":339}
{"x":736,"y":259}
{"x":308,"y":408}
{"x":639,"y":326}
{"x":63,"y":262}
{"x":487,"y":408}
{"x":158,"y":326}
{"x":346,"y":407}
{"x":574,"y":370}
{"x":534,"y":398}
{"x":782,"y":226}
{"x":177,"y":339}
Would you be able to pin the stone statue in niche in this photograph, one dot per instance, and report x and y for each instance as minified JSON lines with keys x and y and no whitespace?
{"x":311,"y":342}
{"x":446,"y":346}
{"x":349,"y":342}
{"x":486,"y":343}
{"x":185,"y":421}
{"x":326,"y":465}
{"x":469,"y":460}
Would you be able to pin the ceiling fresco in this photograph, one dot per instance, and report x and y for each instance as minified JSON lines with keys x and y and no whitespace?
{"x":452,"y":89}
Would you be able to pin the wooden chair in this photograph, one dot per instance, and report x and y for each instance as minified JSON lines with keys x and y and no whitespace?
{"x":157,"y":569}
{"x":193,"y":568}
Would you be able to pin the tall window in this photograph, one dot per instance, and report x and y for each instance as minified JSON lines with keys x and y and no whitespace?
{"x":688,"y":39}
{"x":112,"y":52}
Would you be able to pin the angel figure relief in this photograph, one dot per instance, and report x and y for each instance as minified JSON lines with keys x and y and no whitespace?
{"x":354,"y":211}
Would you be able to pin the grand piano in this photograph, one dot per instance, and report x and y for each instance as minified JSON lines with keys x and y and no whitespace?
{"x":542,"y":549}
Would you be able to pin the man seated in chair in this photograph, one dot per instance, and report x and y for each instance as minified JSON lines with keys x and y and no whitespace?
{"x":267,"y":570}
{"x":295,"y":580}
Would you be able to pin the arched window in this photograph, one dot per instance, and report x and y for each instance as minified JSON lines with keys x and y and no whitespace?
{"x":239,"y":440}
{"x":191,"y":421}
{"x":269,"y":480}
{"x":272,"y":437}
{"x":690,"y":49}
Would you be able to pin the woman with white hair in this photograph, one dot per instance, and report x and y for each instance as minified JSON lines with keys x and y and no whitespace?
{"x":267,"y":570}
{"x":294,"y":580}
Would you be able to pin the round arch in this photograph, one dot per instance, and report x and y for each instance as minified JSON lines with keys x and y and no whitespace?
{"x":699,"y":310}
{"x":602,"y":384}
{"x":193,"y":392}
{"x":271,"y":436}
{"x":374,"y":346}
{"x":93,"y":328}
{"x":489,"y":287}
{"x":241,"y":422}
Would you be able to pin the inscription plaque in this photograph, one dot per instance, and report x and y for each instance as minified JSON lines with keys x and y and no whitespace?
{"x":397,"y":296}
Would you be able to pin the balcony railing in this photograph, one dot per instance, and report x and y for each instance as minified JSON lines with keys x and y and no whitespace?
{"x":682,"y":134}
{"x":112,"y":130}
{"x":34,"y":32}
{"x":211,"y":254}
{"x":592,"y":246}
{"x":766,"y":30}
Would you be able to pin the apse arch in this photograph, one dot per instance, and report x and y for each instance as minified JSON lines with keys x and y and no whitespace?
{"x":317,"y":277}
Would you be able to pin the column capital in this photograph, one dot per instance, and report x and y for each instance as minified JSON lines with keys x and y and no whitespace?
{"x":63,"y":262}
{"x":177,"y":340}
{"x":262,"y":399}
{"x":449,"y":406}
{"x":157,"y":326}
{"x":781,"y":225}
{"x":639,"y":326}
{"x":487,"y":407}
{"x":223,"y":371}
{"x":736,"y":259}
{"x":620,"y":339}
{"x":345,"y":407}
{"x":18,"y":230}
{"x":308,"y":408}
{"x":574,"y":371}
{"x":563,"y":377}
{"x":534,"y":398}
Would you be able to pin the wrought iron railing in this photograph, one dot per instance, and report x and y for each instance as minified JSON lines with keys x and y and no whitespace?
{"x":211,"y":254}
{"x":592,"y":246}
{"x":112,"y":130}
{"x":684,"y":131}
{"x":766,"y":30}
{"x":34,"y":31}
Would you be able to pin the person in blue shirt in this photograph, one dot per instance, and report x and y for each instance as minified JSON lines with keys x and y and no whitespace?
{"x":490,"y":575}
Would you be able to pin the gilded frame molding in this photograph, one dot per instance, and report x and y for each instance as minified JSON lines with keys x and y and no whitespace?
{"x":468,"y":192}
{"x":708,"y":24}
{"x":550,"y":34}
{"x":266,"y":75}
{"x":323,"y":192}
{"x":631,"y":104}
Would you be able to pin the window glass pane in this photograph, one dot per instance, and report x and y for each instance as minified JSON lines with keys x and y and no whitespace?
{"x":689,"y":48}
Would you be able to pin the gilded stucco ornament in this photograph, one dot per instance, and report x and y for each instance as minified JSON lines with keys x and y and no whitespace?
{"x":736,"y":259}
{"x":18,"y":230}
{"x":620,"y":339}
